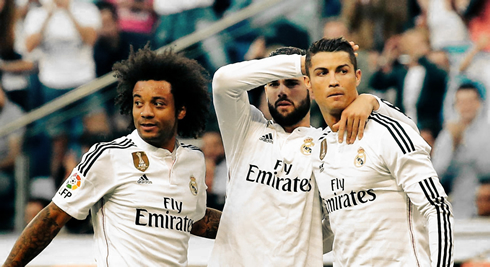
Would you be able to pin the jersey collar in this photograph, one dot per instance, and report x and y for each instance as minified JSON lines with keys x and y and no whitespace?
{"x":156,"y":151}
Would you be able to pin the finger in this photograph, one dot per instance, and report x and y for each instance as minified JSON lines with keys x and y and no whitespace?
{"x":354,"y":133}
{"x":362,"y":126}
{"x":349,"y":130}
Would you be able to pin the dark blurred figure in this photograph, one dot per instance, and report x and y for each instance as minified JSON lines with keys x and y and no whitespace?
{"x":420,"y":84}
{"x":10,"y":148}
{"x":216,"y":173}
{"x":13,"y":69}
{"x":460,"y":152}
{"x":112,"y":45}
{"x":483,"y":198}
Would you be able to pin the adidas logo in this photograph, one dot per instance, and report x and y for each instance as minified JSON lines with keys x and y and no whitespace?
{"x":144,"y":180}
{"x":267,"y":138}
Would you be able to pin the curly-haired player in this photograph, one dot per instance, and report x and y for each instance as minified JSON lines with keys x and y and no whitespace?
{"x":145,"y":191}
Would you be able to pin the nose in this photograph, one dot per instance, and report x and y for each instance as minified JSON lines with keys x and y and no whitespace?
{"x":283,"y":90}
{"x":333,"y":82}
{"x":147,"y":111}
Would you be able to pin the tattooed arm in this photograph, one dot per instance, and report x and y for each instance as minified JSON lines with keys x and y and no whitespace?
{"x":207,"y":226}
{"x":37,"y":235}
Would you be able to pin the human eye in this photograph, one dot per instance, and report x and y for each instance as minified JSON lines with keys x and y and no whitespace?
{"x":291,"y":84}
{"x":344,"y":70}
{"x":137,"y":102}
{"x":321,"y":72}
{"x":273,"y":84}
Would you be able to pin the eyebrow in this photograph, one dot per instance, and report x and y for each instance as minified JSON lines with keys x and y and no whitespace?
{"x":338,"y":67}
{"x":153,"y":98}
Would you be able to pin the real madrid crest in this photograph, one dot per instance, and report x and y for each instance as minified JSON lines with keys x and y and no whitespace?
{"x":323,"y":149}
{"x":360,"y":158}
{"x":193,"y":186}
{"x":306,"y":147}
{"x":140,"y":160}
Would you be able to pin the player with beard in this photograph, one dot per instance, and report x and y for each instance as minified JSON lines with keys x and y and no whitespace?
{"x":272,"y":215}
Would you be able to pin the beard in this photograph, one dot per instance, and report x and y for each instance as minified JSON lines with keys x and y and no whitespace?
{"x":295,"y":116}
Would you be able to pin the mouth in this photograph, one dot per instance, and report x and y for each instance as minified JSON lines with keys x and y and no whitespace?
{"x":283,"y":103}
{"x":147,"y":126}
{"x":336,"y":94}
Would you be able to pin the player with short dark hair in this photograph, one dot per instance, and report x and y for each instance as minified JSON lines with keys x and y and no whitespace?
{"x":385,"y":204}
{"x":146,"y":191}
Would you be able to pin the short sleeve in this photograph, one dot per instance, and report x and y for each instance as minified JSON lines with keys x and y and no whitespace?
{"x":88,"y":183}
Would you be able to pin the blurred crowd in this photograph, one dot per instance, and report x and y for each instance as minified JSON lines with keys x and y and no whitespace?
{"x":431,"y":58}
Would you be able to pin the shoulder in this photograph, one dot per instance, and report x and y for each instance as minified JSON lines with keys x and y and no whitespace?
{"x":103,"y":152}
{"x":191,"y":150}
{"x":190,"y":147}
{"x":85,"y":11}
{"x":386,"y":129}
{"x":35,"y":13}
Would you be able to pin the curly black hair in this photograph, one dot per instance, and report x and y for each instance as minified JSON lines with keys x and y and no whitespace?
{"x":188,"y":79}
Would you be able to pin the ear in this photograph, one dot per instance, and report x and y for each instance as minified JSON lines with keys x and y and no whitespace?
{"x":358,"y":77}
{"x":181,"y":113}
{"x":308,"y":86}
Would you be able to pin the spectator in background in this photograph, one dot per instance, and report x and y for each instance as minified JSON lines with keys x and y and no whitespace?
{"x":483,"y":198}
{"x":10,"y":148}
{"x":42,"y":189}
{"x":65,"y":32}
{"x":459,"y":154}
{"x":179,"y":18}
{"x":420,"y":85}
{"x":136,"y":18}
{"x":477,"y":15}
{"x":12,"y":68}
{"x":112,"y":45}
{"x":216,"y":175}
{"x":373,"y":22}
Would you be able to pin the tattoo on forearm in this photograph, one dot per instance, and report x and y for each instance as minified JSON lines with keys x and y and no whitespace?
{"x":37,"y":235}
{"x":208,"y":226}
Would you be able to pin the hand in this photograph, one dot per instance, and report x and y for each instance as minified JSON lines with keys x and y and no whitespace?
{"x":354,"y":118}
{"x":456,"y":130}
{"x":63,"y":4}
{"x":390,"y":51}
{"x":355,"y":47}
{"x":482,"y":42}
{"x":257,"y":49}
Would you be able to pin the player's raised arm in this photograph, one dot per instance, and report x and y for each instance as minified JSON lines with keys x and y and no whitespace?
{"x":207,"y":226}
{"x":37,"y":235}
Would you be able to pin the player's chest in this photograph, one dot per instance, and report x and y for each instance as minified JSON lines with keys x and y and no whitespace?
{"x":157,"y":185}
{"x":343,"y":169}
{"x":281,"y":153}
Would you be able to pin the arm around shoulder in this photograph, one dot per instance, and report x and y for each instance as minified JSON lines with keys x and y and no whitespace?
{"x":207,"y":226}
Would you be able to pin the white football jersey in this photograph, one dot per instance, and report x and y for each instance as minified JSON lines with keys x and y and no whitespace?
{"x":384,"y":201}
{"x":143,"y":200}
{"x":272,"y":213}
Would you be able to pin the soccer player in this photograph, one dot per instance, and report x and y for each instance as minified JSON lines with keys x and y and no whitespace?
{"x":272,"y":214}
{"x":145,"y":191}
{"x":385,"y":204}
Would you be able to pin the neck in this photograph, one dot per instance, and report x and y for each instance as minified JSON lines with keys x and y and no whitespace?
{"x":331,"y":118}
{"x":170,"y":145}
{"x":305,"y":122}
